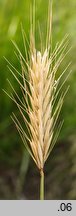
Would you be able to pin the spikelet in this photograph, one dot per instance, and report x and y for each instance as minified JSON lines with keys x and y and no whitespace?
{"x":42,"y":98}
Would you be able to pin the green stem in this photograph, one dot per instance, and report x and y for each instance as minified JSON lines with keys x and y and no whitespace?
{"x":41,"y":185}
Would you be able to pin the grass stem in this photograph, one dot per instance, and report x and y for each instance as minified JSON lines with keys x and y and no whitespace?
{"x":41,"y":185}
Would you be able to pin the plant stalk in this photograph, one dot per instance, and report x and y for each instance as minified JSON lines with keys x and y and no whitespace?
{"x":41,"y":185}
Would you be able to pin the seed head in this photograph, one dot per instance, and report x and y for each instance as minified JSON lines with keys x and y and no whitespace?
{"x":42,"y":96}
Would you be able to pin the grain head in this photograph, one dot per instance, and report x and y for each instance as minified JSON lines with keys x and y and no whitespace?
{"x":42,"y":95}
